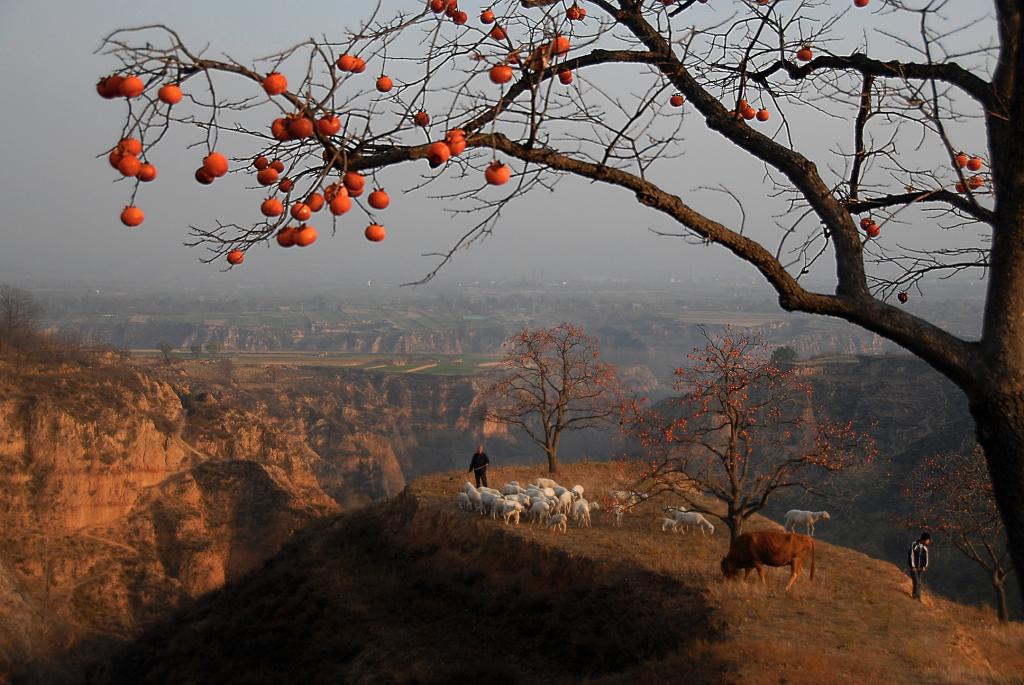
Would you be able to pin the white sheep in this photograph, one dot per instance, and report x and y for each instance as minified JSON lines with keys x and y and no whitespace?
{"x":484,"y":489}
{"x":630,"y":499}
{"x":544,"y":483}
{"x":622,"y":502}
{"x":539,"y":511}
{"x":475,"y":500}
{"x":511,"y":489}
{"x":564,"y":502}
{"x":668,"y":525}
{"x":468,"y":487}
{"x":618,"y":495}
{"x":617,"y":511}
{"x":522,"y":499}
{"x":557,"y":522}
{"x":796,"y":517}
{"x":491,"y":502}
{"x":671,"y":511}
{"x":548,"y":492}
{"x":581,"y":512}
{"x":577,"y":492}
{"x":463,"y":500}
{"x":686,"y":519}
{"x":508,"y":510}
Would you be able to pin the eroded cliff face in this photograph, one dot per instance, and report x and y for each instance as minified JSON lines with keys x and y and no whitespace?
{"x":111,"y":516}
{"x":126,"y":490}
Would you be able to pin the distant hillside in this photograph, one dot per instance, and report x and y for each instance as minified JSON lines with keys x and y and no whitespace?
{"x":417,"y":590}
{"x":914,"y":413}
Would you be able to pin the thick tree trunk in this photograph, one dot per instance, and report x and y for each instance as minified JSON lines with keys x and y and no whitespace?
{"x":999,"y":587}
{"x":1000,"y":429}
{"x":735,"y":524}
{"x":552,"y":460}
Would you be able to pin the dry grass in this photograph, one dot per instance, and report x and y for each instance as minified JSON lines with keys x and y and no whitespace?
{"x":853,"y":624}
{"x":417,"y":590}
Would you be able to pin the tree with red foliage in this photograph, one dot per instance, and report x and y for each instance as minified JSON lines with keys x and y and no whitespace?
{"x":853,"y":120}
{"x":743,"y":430}
{"x":553,"y":381}
{"x":952,"y":493}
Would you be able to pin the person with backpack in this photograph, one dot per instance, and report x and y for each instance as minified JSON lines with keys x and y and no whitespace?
{"x":478,"y":466}
{"x":918,"y":562}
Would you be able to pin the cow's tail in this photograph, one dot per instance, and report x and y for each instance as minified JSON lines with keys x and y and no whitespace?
{"x":812,"y":559}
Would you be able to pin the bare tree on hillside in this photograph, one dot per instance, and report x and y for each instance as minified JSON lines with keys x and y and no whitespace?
{"x":166,"y":349}
{"x":18,"y":312}
{"x":553,"y":381}
{"x":952,"y":493}
{"x":843,"y":125}
{"x":742,"y":431}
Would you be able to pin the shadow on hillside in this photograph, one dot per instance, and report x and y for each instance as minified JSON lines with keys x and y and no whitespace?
{"x":405,"y":593}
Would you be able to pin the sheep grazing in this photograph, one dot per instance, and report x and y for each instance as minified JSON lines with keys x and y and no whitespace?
{"x":511,"y":489}
{"x":797,"y":517}
{"x":522,"y":499}
{"x":538,"y":511}
{"x":688,"y":519}
{"x":630,"y":499}
{"x":544,"y":483}
{"x":668,"y":525}
{"x":509,"y":510}
{"x":463,"y":499}
{"x":491,"y":502}
{"x":577,"y":492}
{"x":622,"y":502}
{"x":494,"y":492}
{"x":565,"y":502}
{"x":476,"y":502}
{"x":618,"y":510}
{"x":557,"y":522}
{"x":581,"y":512}
{"x":671,"y":511}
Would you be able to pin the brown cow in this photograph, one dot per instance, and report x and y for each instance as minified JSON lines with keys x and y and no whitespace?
{"x":768,"y":548}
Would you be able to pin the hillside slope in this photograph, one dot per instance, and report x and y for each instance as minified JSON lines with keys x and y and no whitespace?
{"x":416,"y":590}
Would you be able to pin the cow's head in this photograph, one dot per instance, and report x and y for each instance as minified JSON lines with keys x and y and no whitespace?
{"x":729,"y":569}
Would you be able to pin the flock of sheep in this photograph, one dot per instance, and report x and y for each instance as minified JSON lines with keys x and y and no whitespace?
{"x":545,"y":502}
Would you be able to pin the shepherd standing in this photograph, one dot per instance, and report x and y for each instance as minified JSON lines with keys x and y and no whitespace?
{"x":479,"y":466}
{"x":918,"y":561}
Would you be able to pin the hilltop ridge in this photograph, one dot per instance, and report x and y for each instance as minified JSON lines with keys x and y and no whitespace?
{"x":416,"y":590}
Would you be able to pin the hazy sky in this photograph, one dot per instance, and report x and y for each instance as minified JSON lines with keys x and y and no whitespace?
{"x":61,"y":205}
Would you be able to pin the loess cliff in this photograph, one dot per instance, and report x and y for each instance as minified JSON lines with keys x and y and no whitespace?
{"x":125,"y":491}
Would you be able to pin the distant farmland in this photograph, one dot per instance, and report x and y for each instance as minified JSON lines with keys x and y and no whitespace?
{"x":434,"y":364}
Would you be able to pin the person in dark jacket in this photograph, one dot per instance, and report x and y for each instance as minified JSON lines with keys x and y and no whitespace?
{"x":918,"y":562}
{"x":479,"y":466}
